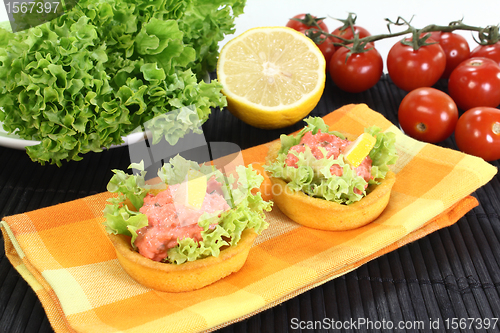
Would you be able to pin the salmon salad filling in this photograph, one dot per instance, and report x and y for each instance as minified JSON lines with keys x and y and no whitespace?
{"x":169,"y":221}
{"x":312,"y":161}
{"x":164,"y":226}
{"x":329,"y":146}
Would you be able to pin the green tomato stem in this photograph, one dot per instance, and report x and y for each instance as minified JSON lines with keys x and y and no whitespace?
{"x":486,"y":35}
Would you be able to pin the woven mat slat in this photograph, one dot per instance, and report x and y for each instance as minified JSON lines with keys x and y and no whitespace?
{"x":451,"y":273}
{"x":380,"y":305}
{"x":418,"y":306}
{"x":421,"y":261}
{"x":366,"y":291}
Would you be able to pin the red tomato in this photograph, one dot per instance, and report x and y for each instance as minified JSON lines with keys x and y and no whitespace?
{"x":428,"y":114}
{"x":433,"y":35}
{"x":328,"y":49}
{"x":488,"y":51}
{"x":478,"y":133}
{"x":359,"y":72}
{"x":307,"y":23}
{"x":475,"y":82}
{"x":349,"y":34}
{"x":410,"y":69}
{"x":455,"y":48}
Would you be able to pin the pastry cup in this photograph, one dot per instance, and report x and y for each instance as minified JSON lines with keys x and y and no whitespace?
{"x":327,"y":215}
{"x":188,"y":276}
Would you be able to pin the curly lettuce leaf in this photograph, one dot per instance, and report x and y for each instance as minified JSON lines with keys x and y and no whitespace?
{"x":314,"y":125}
{"x":205,"y":23}
{"x":84,"y":80}
{"x":313,"y":176}
{"x":133,"y":187}
{"x":247,"y":209}
{"x":5,"y":33}
{"x":383,"y":153}
{"x":122,"y":220}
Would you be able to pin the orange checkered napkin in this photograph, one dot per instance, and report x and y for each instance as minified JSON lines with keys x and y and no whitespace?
{"x":64,"y":254}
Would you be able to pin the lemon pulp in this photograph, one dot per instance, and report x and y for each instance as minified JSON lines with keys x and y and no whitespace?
{"x":192,"y":190}
{"x":357,"y":150}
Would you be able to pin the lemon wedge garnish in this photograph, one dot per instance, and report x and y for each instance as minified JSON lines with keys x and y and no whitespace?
{"x":272,"y":77}
{"x":357,"y":150}
{"x":192,"y":190}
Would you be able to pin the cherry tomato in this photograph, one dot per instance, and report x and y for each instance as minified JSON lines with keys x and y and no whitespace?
{"x":328,"y":49}
{"x":455,"y":48}
{"x":410,"y":69}
{"x":488,"y":51}
{"x":349,"y":34}
{"x":433,"y":34}
{"x":307,"y":23}
{"x":475,"y":82}
{"x":428,"y":114}
{"x":478,"y":133}
{"x":359,"y":72}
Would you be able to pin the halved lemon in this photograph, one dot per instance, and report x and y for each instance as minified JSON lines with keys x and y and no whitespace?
{"x":272,"y":77}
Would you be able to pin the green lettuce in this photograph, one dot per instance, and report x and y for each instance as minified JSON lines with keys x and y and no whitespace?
{"x":82,"y":81}
{"x":383,"y":153}
{"x":313,"y":177}
{"x":247,"y":209}
{"x":314,"y":125}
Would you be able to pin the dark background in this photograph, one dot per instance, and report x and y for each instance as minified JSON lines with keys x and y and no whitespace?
{"x":451,"y":273}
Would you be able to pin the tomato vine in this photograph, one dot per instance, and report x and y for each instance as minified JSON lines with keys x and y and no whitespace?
{"x":485,"y":35}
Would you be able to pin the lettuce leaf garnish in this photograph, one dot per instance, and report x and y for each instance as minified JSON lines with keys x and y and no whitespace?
{"x":85,"y":79}
{"x":314,"y":125}
{"x":247,"y":209}
{"x":383,"y":153}
{"x":313,"y":177}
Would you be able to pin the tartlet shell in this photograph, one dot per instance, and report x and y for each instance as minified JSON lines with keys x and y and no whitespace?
{"x":326,"y":215}
{"x":188,"y":276}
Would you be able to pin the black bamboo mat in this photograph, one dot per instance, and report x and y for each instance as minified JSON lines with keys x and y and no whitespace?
{"x":448,"y":281}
